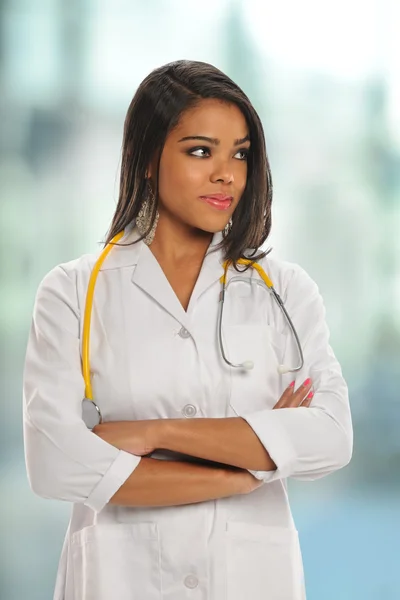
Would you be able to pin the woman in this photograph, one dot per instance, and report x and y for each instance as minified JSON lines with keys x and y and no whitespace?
{"x":180,"y":491}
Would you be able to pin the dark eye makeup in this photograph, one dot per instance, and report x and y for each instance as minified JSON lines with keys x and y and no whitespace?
{"x":206,"y":149}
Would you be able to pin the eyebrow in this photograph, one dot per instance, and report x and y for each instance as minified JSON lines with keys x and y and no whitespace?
{"x":214,"y":141}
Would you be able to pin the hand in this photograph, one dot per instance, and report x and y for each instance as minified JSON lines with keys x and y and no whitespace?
{"x":243,"y":481}
{"x":252,"y":483}
{"x":136,"y":437}
{"x":294,"y":399}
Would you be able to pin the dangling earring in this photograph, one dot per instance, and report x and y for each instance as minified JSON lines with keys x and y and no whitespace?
{"x":228,"y":227}
{"x":145,"y":213}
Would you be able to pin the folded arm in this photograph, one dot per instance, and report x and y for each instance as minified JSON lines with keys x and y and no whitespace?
{"x":67,"y":461}
{"x":229,"y":441}
{"x":300,"y":443}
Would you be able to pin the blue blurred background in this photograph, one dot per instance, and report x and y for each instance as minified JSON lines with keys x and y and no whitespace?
{"x":325,"y":79}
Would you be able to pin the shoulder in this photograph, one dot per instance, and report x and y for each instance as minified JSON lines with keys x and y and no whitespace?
{"x":289,"y":278}
{"x":297,"y":289}
{"x":64,"y":281}
{"x":72,"y":269}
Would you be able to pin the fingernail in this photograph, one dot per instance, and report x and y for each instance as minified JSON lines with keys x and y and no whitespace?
{"x":292,"y":384}
{"x":310,"y":395}
{"x":307,"y":381}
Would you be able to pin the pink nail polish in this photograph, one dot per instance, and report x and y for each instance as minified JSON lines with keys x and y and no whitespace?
{"x":307,"y":381}
{"x":310,"y":395}
{"x":292,"y":384}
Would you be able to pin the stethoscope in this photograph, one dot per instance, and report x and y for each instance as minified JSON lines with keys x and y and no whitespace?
{"x":91,"y":413}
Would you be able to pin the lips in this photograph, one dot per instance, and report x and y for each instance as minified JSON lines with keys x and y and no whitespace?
{"x":221,"y":197}
{"x":219,"y":201}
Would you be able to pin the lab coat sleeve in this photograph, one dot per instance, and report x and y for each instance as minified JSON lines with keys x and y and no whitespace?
{"x":308,"y":443}
{"x":64,"y":459}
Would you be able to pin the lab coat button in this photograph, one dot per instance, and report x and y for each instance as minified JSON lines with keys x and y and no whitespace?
{"x":189,"y":410}
{"x":184,"y":333}
{"x":191,"y":581}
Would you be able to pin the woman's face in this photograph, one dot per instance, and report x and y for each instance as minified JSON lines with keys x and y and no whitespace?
{"x":203,"y":166}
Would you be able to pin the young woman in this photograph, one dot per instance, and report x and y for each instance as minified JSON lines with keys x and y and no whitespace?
{"x":179,"y":488}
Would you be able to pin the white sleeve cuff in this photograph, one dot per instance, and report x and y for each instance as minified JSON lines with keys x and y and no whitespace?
{"x":276,"y":441}
{"x":117,"y":474}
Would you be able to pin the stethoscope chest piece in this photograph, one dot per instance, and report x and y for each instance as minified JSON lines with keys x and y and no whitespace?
{"x":90,"y":413}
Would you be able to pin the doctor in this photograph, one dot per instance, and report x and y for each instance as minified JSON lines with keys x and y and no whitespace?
{"x":181,"y":490}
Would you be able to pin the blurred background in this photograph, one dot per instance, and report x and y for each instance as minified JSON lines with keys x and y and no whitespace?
{"x":325,"y":79}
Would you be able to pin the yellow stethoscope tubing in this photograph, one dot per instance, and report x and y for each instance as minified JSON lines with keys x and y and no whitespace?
{"x":88,"y":315}
{"x":89,"y":305}
{"x":254,"y":265}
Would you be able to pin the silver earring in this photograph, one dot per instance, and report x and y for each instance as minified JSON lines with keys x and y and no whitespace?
{"x":228,"y":227}
{"x":145,"y":214}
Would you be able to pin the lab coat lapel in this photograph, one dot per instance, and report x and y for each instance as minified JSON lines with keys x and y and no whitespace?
{"x":149,"y":276}
{"x":210,"y":273}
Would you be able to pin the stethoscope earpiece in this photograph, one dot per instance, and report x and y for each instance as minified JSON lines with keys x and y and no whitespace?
{"x":247,"y":365}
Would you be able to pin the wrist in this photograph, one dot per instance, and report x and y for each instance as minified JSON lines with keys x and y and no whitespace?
{"x":159,"y":433}
{"x":239,"y":481}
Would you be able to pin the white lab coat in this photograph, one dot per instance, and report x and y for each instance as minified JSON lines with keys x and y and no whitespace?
{"x":152,"y":360}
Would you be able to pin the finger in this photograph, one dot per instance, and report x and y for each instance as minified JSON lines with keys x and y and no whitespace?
{"x":300,"y":394}
{"x":306,"y":403}
{"x":287,"y":394}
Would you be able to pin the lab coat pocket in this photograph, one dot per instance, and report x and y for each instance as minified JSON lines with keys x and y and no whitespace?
{"x":260,"y":387}
{"x":113,"y":561}
{"x":263,"y":562}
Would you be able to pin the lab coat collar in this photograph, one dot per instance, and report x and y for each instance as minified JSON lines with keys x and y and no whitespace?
{"x":149,"y":276}
{"x":124,"y":256}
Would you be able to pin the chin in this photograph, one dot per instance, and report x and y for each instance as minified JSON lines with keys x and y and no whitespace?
{"x":212,"y":225}
{"x":211,"y":228}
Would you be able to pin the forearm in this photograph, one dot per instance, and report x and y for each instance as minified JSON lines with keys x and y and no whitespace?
{"x":170,"y":483}
{"x":230,"y":441}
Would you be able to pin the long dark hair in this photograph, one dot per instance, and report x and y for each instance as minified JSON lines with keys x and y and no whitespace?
{"x":159,"y":102}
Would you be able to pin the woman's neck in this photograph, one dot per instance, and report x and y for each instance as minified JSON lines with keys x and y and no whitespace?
{"x":177,"y":244}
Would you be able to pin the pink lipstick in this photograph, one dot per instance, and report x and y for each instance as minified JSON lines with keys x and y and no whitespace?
{"x":218,"y":201}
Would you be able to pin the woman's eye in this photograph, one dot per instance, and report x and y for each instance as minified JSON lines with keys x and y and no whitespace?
{"x":244,"y":152}
{"x":203,"y":152}
{"x":198,"y":151}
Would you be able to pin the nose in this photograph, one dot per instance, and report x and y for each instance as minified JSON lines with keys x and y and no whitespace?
{"x":222,"y":172}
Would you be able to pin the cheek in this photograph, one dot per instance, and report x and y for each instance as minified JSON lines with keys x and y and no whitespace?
{"x":240,"y":176}
{"x":183,"y":174}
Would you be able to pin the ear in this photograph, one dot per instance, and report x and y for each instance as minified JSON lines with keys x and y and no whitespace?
{"x":152,"y":167}
{"x":150,"y":170}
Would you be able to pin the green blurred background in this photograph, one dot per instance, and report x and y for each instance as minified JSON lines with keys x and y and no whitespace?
{"x":325,"y":79}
